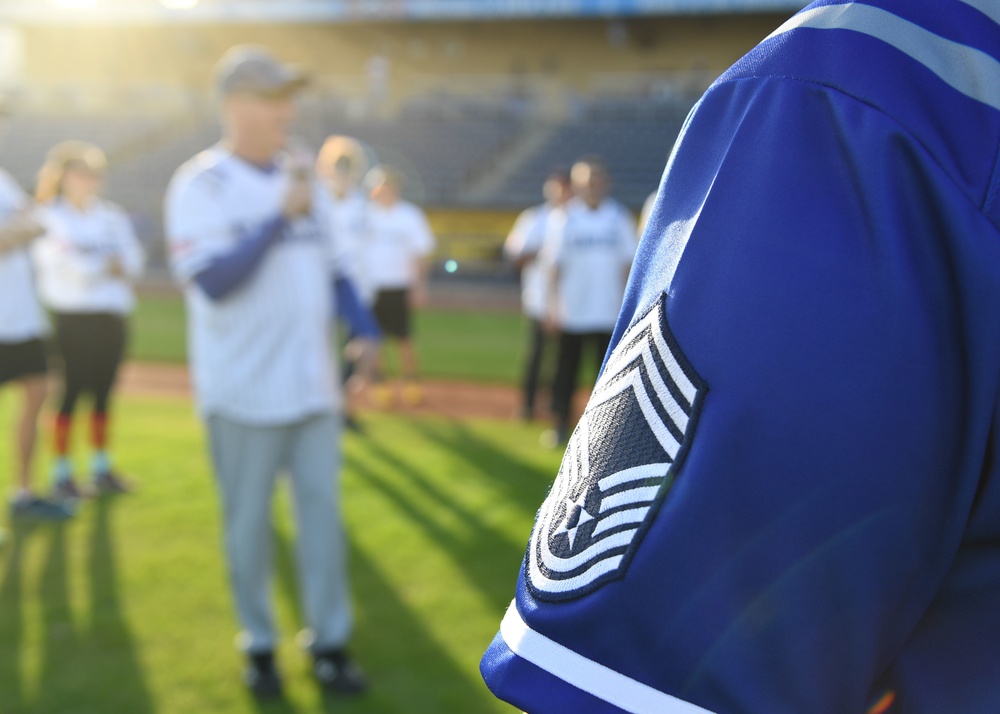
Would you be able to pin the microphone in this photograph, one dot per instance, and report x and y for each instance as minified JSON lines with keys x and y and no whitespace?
{"x":302,"y":159}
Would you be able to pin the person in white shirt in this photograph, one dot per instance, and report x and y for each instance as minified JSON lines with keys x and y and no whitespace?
{"x":341,"y":166}
{"x":396,"y":264}
{"x":249,"y":240}
{"x":590,"y":246}
{"x":87,"y":261}
{"x":23,"y":330}
{"x":522,"y":247}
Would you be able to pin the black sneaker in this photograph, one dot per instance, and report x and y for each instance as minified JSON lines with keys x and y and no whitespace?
{"x":37,"y":508}
{"x":261,"y":677}
{"x":111,"y":484}
{"x":337,"y":673}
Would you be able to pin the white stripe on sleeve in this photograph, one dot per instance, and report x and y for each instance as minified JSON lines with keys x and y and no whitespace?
{"x":966,"y":69}
{"x":587,"y":675}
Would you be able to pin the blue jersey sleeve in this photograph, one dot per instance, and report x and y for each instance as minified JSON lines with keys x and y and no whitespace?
{"x":228,"y":271}
{"x":782,"y":498}
{"x":350,"y":308}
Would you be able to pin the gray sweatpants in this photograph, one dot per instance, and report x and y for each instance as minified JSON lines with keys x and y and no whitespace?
{"x":247,"y":461}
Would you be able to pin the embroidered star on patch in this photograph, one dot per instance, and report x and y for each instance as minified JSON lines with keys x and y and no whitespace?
{"x":619,"y":464}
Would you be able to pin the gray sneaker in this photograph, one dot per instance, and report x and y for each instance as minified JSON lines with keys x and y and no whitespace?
{"x":111,"y":484}
{"x":36,"y":508}
{"x":68,"y":490}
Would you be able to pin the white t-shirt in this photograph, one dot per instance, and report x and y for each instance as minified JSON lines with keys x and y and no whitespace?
{"x":592,"y":249}
{"x":349,"y":231}
{"x":21,"y":316}
{"x":74,"y":256}
{"x":397,"y":237}
{"x":526,"y":239}
{"x":261,"y":354}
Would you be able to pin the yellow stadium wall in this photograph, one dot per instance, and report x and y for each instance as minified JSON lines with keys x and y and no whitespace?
{"x":470,"y":235}
{"x":478,"y":57}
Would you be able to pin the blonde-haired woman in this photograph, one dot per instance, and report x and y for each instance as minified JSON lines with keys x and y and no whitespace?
{"x":86,"y":264}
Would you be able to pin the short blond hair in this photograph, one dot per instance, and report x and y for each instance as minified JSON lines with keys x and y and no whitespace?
{"x":337,"y":149}
{"x":64,"y":156}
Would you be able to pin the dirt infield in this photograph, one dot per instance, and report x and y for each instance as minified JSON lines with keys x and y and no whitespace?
{"x":457,"y":400}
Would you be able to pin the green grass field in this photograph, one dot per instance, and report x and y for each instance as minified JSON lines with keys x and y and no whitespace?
{"x":454,"y":344}
{"x":125,"y":610}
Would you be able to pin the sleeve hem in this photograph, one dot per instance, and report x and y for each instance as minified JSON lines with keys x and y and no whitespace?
{"x":603,"y":689}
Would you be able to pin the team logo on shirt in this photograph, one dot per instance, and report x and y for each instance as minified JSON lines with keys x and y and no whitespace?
{"x":618,"y":466}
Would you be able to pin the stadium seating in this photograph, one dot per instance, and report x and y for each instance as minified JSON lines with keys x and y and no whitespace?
{"x":443,"y":144}
{"x":633,"y":139}
{"x":438,"y":149}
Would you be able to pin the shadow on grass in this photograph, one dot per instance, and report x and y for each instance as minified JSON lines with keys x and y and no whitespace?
{"x":89,"y":669}
{"x":489,"y":558}
{"x":477,"y":556}
{"x":12,"y":694}
{"x":409,"y":671}
{"x":523,"y":483}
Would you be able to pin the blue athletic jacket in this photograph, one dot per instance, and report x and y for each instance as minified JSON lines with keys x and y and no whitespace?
{"x":784,"y":496}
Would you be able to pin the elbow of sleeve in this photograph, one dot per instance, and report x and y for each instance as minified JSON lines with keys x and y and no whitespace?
{"x":214,"y":289}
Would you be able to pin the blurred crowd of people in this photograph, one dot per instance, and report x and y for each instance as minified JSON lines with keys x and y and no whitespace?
{"x":574,"y":252}
{"x":272,"y":248}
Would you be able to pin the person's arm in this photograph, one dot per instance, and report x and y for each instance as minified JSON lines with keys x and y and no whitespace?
{"x":422,"y":245}
{"x":19,"y":231}
{"x":202,"y":251}
{"x":550,"y":259}
{"x":519,"y":247}
{"x":534,"y":237}
{"x":227,"y":271}
{"x":418,"y":291}
{"x":353,"y":310}
{"x":58,"y":256}
{"x":131,"y":258}
{"x":769,"y":487}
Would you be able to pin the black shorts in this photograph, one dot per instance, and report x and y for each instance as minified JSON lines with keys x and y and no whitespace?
{"x":22,"y":359}
{"x":392,"y":310}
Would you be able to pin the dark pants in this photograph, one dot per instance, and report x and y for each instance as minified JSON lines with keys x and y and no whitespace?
{"x":537,"y":339}
{"x":571,"y":346}
{"x":392,"y":312}
{"x":92,"y":346}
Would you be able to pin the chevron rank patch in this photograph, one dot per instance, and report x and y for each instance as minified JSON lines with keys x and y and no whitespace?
{"x":618,"y":466}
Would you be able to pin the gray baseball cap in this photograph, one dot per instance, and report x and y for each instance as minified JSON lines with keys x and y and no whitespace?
{"x":249,"y":69}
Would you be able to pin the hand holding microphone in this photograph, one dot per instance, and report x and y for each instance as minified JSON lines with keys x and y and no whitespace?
{"x":298,"y":198}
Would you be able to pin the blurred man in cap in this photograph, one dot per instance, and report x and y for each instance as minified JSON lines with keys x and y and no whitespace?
{"x":247,"y":227}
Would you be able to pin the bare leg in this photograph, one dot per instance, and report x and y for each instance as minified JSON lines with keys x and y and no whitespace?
{"x":408,"y":357}
{"x":35,"y":391}
{"x":413,"y":393}
{"x":381,"y":392}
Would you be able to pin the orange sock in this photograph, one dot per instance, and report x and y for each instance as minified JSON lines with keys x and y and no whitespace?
{"x":99,"y":430}
{"x":64,"y":422}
